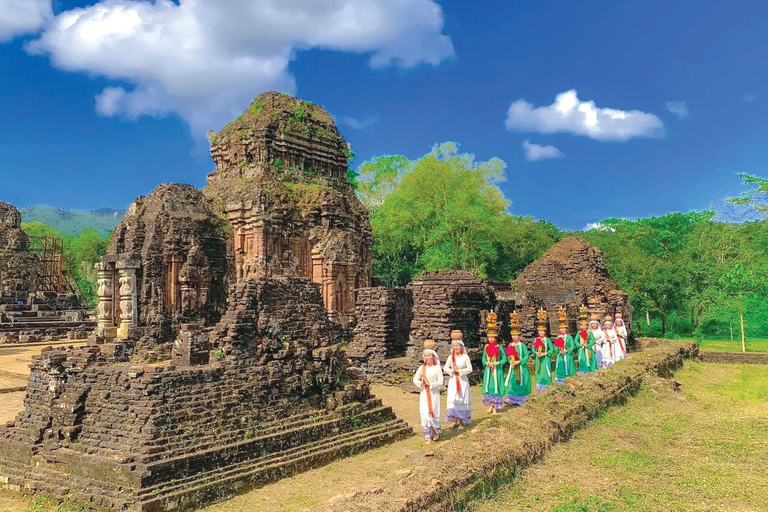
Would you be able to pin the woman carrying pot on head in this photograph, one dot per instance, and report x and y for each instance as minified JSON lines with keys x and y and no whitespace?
{"x":458,"y":367}
{"x":518,"y":381}
{"x":429,"y":379}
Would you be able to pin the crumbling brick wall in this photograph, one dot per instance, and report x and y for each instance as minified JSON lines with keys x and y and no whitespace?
{"x":382,"y":325}
{"x":571,"y":273}
{"x":18,"y":266}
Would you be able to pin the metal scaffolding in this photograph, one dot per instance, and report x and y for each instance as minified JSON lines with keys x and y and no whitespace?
{"x":53,"y":274}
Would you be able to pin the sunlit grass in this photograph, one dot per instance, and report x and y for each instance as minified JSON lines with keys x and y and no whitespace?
{"x":701,"y":448}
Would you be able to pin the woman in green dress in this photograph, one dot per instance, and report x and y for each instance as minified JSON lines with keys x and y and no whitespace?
{"x":564,"y":346}
{"x":494,"y":359}
{"x":585,"y":341}
{"x":543,"y":350}
{"x":518,"y":381}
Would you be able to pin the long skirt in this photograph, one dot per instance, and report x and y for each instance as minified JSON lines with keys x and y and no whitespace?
{"x":430,"y":424}
{"x":493,"y":400}
{"x":459,"y":404}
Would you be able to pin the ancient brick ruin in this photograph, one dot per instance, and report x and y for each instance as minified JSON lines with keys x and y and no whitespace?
{"x":167,"y":265}
{"x":392,"y":324}
{"x":273,"y":398}
{"x":217,"y":363}
{"x":28,"y":311}
{"x":18,"y":266}
{"x":571,"y":273}
{"x":280,"y":179}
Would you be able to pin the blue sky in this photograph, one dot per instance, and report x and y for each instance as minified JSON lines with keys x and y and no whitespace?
{"x":398,"y":79}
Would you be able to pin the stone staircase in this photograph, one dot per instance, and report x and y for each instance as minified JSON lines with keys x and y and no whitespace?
{"x":217,"y":468}
{"x":24,"y":323}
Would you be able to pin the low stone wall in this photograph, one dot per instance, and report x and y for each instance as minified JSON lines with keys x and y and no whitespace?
{"x":495,"y":450}
{"x":715,"y":356}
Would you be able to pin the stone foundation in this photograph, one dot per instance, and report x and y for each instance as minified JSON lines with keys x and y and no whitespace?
{"x":273,"y":399}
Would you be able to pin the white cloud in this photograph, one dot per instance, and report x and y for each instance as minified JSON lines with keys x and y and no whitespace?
{"x":19,"y":17}
{"x":568,"y":114}
{"x":679,"y":108}
{"x":359,"y":124}
{"x":598,"y":226}
{"x":206,"y":59}
{"x":537,"y":152}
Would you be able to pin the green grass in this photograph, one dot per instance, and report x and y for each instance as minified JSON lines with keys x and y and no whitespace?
{"x":753,"y":344}
{"x":701,"y":448}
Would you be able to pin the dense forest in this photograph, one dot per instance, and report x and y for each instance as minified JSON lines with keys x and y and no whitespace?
{"x":687,"y":274}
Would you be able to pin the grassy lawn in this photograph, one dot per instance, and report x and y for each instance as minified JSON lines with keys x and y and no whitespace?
{"x":704,"y":447}
{"x":753,"y":344}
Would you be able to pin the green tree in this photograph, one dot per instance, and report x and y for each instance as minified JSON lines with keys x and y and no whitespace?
{"x":757,"y":198}
{"x":379,"y":177}
{"x":446,"y":211}
{"x":741,"y":281}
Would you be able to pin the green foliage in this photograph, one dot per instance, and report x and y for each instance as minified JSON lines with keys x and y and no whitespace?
{"x":379,"y":177}
{"x":299,"y":114}
{"x":81,"y":253}
{"x":277,"y":163}
{"x":757,"y":198}
{"x":446,"y":211}
{"x":686,"y":272}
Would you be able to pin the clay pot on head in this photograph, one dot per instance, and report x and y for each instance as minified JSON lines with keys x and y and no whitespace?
{"x":429,"y":344}
{"x":456,"y":335}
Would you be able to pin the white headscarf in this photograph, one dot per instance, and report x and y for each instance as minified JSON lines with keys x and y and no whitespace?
{"x":608,"y":325}
{"x":460,"y":342}
{"x":434,"y":354}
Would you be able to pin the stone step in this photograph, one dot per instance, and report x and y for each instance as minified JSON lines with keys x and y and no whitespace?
{"x":240,"y":439}
{"x":218,"y":483}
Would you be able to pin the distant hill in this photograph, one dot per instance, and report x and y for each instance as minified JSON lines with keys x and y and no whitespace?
{"x":72,"y":222}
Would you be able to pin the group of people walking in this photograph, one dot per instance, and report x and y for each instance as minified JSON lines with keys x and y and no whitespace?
{"x":506,"y":376}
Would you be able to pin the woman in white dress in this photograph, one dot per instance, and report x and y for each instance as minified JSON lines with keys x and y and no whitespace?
{"x":600,"y":341}
{"x":611,"y":346}
{"x":621,"y":331}
{"x":429,"y":378}
{"x":459,"y":403}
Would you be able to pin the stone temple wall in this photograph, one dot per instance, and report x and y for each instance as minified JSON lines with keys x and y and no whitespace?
{"x":571,"y":273}
{"x":383,"y":324}
{"x":274,"y":398}
{"x":392,"y":324}
{"x":18,"y":266}
{"x":447,"y":300}
{"x":167,"y":265}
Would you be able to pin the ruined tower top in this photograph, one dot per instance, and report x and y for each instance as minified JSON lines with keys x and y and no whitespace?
{"x":278,"y":138}
{"x":11,"y":235}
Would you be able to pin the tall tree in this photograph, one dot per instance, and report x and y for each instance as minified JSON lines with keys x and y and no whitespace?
{"x":446,"y":211}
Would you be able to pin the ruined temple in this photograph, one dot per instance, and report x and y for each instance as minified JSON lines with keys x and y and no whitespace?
{"x":218,"y":361}
{"x":571,"y":273}
{"x":269,"y":396}
{"x":18,"y":266}
{"x":167,"y":265}
{"x":281,"y":181}
{"x":277,"y":205}
{"x":37,"y":302}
